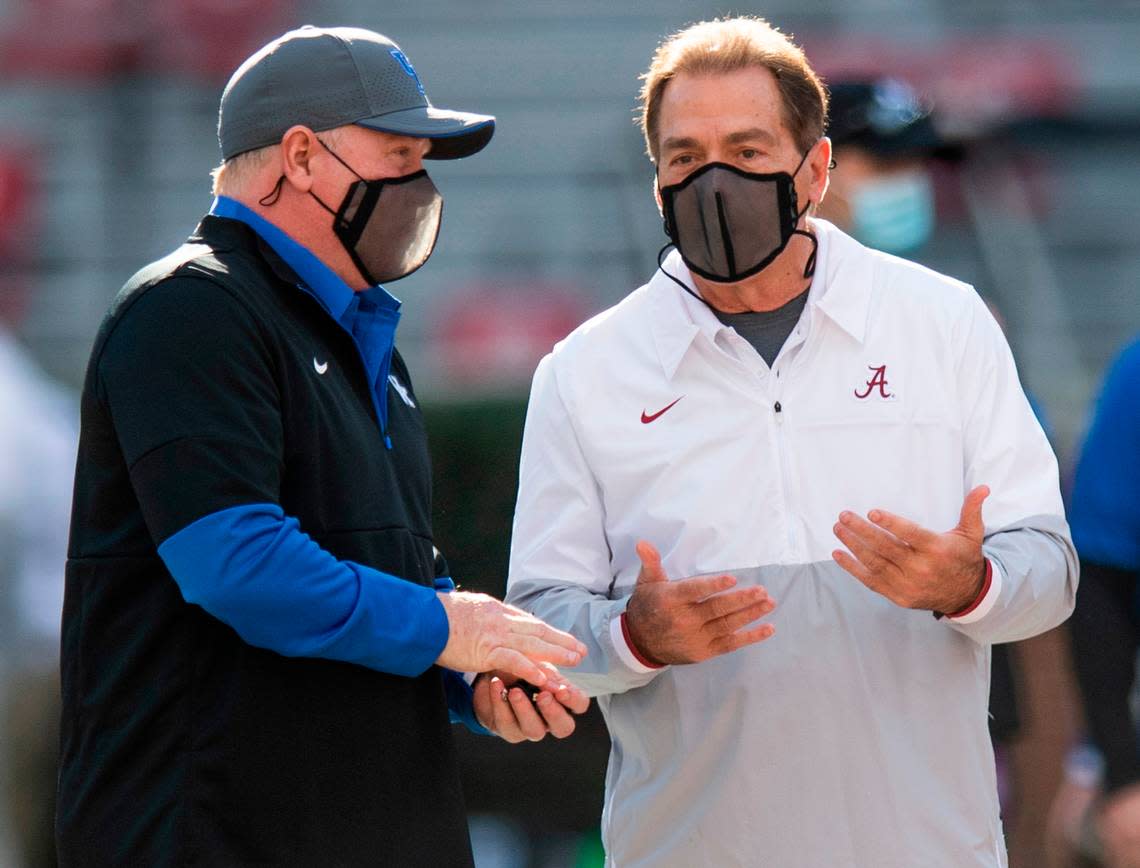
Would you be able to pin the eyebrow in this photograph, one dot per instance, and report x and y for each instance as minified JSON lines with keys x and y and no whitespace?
{"x":751,"y":134}
{"x":680,"y":143}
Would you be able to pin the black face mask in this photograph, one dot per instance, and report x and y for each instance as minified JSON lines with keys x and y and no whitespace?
{"x":388,"y":226}
{"x":729,"y":224}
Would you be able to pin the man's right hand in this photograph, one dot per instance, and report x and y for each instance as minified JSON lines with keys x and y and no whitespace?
{"x":485,"y":634}
{"x":1119,"y":827}
{"x":690,"y":620}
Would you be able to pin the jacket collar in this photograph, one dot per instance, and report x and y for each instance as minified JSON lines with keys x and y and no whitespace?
{"x":337,"y":297}
{"x":677,"y":317}
{"x":844,"y":293}
{"x":841,"y":291}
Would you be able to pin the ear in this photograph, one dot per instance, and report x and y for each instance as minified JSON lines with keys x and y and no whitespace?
{"x":661,"y":205}
{"x":298,"y":146}
{"x":819,"y":166}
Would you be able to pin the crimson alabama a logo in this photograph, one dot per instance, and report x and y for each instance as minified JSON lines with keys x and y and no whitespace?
{"x":876,"y":386}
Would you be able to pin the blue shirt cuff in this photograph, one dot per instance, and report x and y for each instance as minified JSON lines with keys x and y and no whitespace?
{"x":460,"y":702}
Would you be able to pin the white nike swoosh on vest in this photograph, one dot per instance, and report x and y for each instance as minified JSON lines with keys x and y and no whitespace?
{"x":401,"y":389}
{"x":320,"y":367}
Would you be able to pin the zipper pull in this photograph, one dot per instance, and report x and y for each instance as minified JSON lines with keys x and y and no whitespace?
{"x":387,"y":441}
{"x":779,"y":412}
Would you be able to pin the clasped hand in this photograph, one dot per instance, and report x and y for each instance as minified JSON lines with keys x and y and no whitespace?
{"x":485,"y":634}
{"x":914,"y":567}
{"x":508,"y":645}
{"x":505,"y":708}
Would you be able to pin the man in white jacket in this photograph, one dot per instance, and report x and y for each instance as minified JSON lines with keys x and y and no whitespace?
{"x":781,"y":414}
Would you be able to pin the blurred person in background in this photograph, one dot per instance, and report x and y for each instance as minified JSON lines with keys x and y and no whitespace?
{"x":1105,"y":628}
{"x":774,"y":388}
{"x":261,"y":646}
{"x":885,"y":139}
{"x":38,"y":436}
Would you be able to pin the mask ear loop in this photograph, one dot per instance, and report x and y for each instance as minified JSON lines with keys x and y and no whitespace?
{"x":322,"y":204}
{"x":273,"y":195}
{"x":800,"y":164}
{"x":809,"y":266}
{"x":338,"y":159}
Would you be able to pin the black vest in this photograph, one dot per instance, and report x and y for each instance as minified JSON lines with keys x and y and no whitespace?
{"x":182,"y":744}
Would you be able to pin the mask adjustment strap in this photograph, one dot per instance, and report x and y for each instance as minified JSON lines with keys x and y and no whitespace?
{"x":809,"y":266}
{"x":661,"y":268}
{"x":273,"y":195}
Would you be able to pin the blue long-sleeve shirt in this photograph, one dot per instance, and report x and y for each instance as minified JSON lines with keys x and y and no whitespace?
{"x":254,"y":568}
{"x":1105,"y":506}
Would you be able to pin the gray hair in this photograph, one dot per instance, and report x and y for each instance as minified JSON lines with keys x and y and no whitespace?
{"x":235,"y":175}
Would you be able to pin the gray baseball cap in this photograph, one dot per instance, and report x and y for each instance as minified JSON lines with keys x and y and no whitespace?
{"x":325,"y":77}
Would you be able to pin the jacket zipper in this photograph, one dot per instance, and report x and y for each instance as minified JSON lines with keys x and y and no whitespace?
{"x":780,"y":414}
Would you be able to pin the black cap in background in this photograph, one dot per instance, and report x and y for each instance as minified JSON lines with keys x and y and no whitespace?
{"x":886,"y":117}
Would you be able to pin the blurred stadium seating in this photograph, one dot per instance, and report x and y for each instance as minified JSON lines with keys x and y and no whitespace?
{"x":107,"y":113}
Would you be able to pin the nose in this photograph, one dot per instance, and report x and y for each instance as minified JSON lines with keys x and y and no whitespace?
{"x":416,"y":158}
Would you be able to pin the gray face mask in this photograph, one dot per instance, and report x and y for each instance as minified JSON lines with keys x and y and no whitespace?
{"x":729,"y":224}
{"x":388,"y":226}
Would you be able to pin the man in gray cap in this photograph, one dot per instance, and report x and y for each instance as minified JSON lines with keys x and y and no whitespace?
{"x":261,"y":645}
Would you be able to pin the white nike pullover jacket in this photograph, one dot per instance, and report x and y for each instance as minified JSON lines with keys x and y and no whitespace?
{"x":856,"y":737}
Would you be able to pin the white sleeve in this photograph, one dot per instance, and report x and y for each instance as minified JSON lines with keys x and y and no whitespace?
{"x":1027,"y":537}
{"x":39,"y":435}
{"x":560,"y":559}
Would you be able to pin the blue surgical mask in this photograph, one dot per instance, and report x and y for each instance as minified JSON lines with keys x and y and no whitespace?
{"x":894,"y":214}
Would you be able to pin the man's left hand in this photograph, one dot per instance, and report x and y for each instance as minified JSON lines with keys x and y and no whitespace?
{"x":912,"y":566}
{"x":506,"y":709}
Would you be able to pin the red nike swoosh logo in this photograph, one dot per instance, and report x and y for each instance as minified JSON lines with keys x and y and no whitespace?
{"x":646,"y":418}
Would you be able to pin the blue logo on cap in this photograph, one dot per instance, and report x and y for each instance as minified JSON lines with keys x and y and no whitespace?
{"x":407,"y":65}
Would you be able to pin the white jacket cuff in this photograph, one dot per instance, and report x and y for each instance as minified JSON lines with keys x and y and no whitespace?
{"x":624,"y":652}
